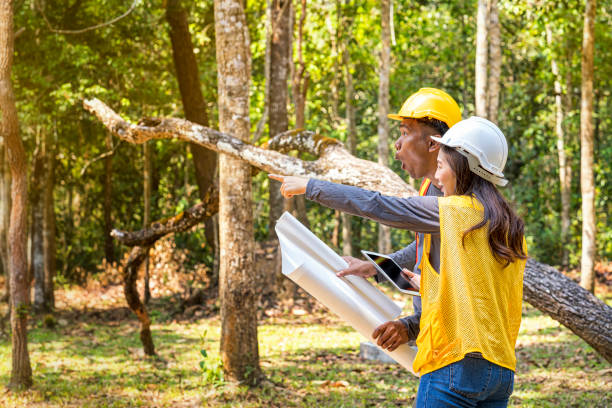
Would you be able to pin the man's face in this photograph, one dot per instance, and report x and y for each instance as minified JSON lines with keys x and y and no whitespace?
{"x":414,"y":150}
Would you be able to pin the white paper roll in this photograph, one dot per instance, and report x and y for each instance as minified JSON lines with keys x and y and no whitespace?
{"x":312,"y":265}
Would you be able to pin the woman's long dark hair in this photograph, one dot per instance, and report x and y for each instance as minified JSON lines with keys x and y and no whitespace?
{"x":506,"y":229}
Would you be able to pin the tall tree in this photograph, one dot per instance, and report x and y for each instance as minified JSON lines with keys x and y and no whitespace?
{"x":351,"y":125}
{"x":147,"y":193}
{"x":21,"y":373}
{"x":239,"y":348}
{"x":587,"y":185}
{"x":300,"y":79}
{"x":301,"y":76}
{"x":565,"y":168}
{"x":488,"y":59}
{"x":495,"y":59}
{"x":482,"y":52}
{"x":5,"y":212}
{"x":49,"y":246}
{"x":384,"y":233}
{"x":109,"y":248}
{"x":278,"y":121}
{"x":194,"y":104}
{"x":37,"y":259}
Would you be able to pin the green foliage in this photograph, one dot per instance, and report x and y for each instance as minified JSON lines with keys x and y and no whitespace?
{"x":129,"y":65}
{"x":212,"y":369}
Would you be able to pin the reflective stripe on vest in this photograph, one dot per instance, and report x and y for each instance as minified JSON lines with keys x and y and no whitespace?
{"x":422,"y":192}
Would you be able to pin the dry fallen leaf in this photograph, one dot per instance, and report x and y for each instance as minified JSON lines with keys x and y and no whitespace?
{"x":339,"y":384}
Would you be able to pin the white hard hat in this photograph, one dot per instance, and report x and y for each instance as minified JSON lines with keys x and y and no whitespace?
{"x":483,"y":144}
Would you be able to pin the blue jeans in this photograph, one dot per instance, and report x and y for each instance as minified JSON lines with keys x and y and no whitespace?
{"x":471,"y":382}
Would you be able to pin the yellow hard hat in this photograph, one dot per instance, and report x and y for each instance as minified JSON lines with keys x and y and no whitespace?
{"x":430,"y":103}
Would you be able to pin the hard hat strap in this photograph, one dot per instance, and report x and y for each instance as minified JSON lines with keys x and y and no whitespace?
{"x":477,"y":169}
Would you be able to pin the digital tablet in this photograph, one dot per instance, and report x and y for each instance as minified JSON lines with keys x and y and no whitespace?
{"x":392,"y":271}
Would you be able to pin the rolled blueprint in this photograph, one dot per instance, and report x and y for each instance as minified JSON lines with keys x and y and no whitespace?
{"x":312,"y":265}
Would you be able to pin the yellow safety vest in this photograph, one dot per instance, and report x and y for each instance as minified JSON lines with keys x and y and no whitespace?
{"x":474,"y":303}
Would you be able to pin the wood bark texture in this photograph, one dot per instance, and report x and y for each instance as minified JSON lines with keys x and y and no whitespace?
{"x":147,"y":236}
{"x":351,"y":125}
{"x":330,"y":152}
{"x":482,"y":20}
{"x":301,"y":76}
{"x":109,"y":250}
{"x":384,"y":233}
{"x":130,"y":275}
{"x":5,"y":212}
{"x":147,"y":194}
{"x":565,"y":168}
{"x":587,"y":183}
{"x":494,"y":61}
{"x":37,"y":259}
{"x":278,"y":119}
{"x":49,"y":229}
{"x":239,"y":347}
{"x":561,"y":298}
{"x":577,"y":320}
{"x":21,"y":372}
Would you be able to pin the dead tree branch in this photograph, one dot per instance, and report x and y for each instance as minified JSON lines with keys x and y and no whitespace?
{"x":335,"y":163}
{"x":544,"y":287}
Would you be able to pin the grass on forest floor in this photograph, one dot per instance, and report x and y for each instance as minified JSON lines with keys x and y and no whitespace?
{"x":96,"y":360}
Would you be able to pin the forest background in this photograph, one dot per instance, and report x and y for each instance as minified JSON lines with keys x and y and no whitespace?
{"x":88,"y":182}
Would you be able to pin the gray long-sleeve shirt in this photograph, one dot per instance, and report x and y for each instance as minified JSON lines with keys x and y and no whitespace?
{"x":419,"y":214}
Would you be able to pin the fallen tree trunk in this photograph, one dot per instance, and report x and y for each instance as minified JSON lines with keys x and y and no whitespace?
{"x":544,"y":287}
{"x":362,"y":173}
{"x":570,"y":304}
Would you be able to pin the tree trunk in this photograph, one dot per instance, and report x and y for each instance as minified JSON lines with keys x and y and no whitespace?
{"x":49,"y":247}
{"x":239,"y":348}
{"x":482,"y":20}
{"x":300,"y":77}
{"x":384,"y":233}
{"x":21,"y":373}
{"x":351,"y":126}
{"x":565,"y":175}
{"x":300,"y":81}
{"x":37,"y":264}
{"x":558,"y":296}
{"x":194,"y":105}
{"x":495,"y":60}
{"x":587,"y":187}
{"x":109,"y":250}
{"x":280,"y":41}
{"x":130,"y":275}
{"x":5,"y":214}
{"x":148,"y":186}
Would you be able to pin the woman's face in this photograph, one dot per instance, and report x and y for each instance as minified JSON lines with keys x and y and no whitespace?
{"x":445,"y":176}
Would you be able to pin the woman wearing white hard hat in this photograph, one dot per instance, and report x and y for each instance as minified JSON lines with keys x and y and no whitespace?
{"x":472,"y":303}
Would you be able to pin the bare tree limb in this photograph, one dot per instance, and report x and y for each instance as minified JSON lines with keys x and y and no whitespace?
{"x":335,"y":163}
{"x":544,"y":287}
{"x":180,"y":222}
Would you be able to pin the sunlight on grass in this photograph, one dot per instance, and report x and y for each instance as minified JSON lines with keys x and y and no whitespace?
{"x":307,"y":363}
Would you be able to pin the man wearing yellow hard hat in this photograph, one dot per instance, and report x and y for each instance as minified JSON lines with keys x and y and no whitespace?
{"x":428,"y":112}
